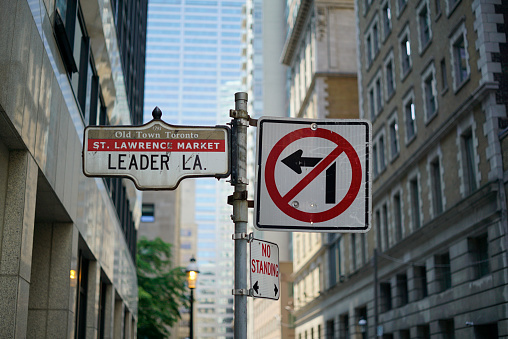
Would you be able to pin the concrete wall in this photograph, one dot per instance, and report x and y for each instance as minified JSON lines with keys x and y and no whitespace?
{"x":50,"y":213}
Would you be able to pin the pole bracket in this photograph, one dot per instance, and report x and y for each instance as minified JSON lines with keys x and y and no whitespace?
{"x":240,"y":236}
{"x":240,"y":195}
{"x":240,"y":291}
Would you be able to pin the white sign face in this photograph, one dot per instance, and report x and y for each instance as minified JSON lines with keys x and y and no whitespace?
{"x":313,"y":175}
{"x":156,"y":155}
{"x":264,"y":269}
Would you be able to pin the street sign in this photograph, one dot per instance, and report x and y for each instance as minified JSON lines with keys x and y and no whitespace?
{"x":313,"y":175}
{"x":156,"y":155}
{"x":264,"y":269}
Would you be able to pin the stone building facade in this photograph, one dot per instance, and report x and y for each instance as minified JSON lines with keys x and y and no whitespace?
{"x":432,"y":79}
{"x":67,"y":242}
{"x":320,"y":52}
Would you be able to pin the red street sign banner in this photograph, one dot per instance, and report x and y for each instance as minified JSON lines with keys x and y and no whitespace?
{"x":156,"y":156}
{"x":313,"y":175}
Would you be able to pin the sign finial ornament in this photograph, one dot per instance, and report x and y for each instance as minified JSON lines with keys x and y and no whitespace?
{"x":157,"y":113}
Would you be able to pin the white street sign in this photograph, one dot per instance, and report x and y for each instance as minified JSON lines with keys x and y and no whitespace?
{"x":156,"y":155}
{"x":264,"y":269}
{"x":313,"y":175}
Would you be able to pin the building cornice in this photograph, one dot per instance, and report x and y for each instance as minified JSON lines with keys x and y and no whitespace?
{"x":294,"y":35}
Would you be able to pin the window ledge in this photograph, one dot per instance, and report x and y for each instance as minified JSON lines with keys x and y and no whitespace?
{"x":405,"y":75}
{"x":462,"y":84}
{"x":425,"y":47}
{"x":390,"y":96}
{"x":409,"y":141}
{"x":395,"y":157}
{"x":432,"y":117}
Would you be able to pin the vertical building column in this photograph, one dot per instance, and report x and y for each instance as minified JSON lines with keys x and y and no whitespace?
{"x":52,"y":285}
{"x":119,"y":316}
{"x":127,"y":324}
{"x":109,"y":312}
{"x":16,"y":239}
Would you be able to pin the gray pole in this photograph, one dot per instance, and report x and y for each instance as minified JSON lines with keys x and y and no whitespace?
{"x":239,"y":126}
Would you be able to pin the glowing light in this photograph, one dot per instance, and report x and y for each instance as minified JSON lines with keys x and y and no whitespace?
{"x":73,"y":274}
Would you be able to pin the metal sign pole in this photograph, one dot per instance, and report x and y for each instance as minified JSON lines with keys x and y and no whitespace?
{"x":239,"y":180}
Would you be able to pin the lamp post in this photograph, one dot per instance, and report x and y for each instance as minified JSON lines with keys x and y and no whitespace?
{"x":192,"y":275}
{"x":363,"y":327}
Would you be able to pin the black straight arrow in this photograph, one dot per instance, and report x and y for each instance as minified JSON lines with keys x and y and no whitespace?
{"x":256,"y":287}
{"x":275,"y":289}
{"x":295,"y":161}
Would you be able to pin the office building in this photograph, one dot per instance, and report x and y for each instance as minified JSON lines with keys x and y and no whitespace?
{"x":193,"y":67}
{"x":68,"y":242}
{"x":264,"y":80}
{"x":320,"y":52}
{"x":432,"y":79}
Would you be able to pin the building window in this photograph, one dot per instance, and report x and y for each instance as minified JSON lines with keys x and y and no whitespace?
{"x":389,"y":75}
{"x":401,"y":5}
{"x":410,"y":117}
{"x":444,"y":76}
{"x":405,"y":55}
{"x":402,"y":289}
{"x":344,"y":326}
{"x":397,"y":215}
{"x":330,"y":329}
{"x":354,"y":262}
{"x":460,"y":57}
{"x":447,"y":327}
{"x":424,"y":27}
{"x":450,"y":5}
{"x":375,"y":38}
{"x":372,"y":41}
{"x":420,"y":281}
{"x":436,"y":188}
{"x":387,"y":19}
{"x":82,"y":296}
{"x":393,"y":127}
{"x":443,"y":271}
{"x":479,"y":250}
{"x":378,"y":150}
{"x":148,"y":213}
{"x":378,"y":228}
{"x":429,"y":92}
{"x":437,"y":7}
{"x":372,"y":104}
{"x":468,"y":162}
{"x":363,"y":244}
{"x":385,"y":296}
{"x":375,"y":96}
{"x":423,"y":331}
{"x":386,"y":234}
{"x":404,"y":334}
{"x":414,"y":191}
{"x":379,"y":95}
{"x":368,"y":47}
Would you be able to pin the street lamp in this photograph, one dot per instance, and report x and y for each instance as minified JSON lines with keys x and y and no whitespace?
{"x":192,"y":275}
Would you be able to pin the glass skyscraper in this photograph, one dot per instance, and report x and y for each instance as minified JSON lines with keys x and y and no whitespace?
{"x":193,"y":69}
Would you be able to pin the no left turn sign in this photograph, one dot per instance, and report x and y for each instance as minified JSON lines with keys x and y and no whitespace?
{"x":313,"y":175}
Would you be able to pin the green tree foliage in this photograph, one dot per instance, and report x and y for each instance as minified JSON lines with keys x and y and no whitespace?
{"x":161,"y":289}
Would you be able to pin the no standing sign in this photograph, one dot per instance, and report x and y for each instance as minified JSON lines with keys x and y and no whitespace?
{"x":313,"y":175}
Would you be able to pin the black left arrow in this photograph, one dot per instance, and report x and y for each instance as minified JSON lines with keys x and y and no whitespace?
{"x":275,"y":289}
{"x":295,"y":161}
{"x":256,"y":287}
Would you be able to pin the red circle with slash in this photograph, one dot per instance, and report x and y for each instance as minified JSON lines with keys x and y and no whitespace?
{"x":283,"y":202}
